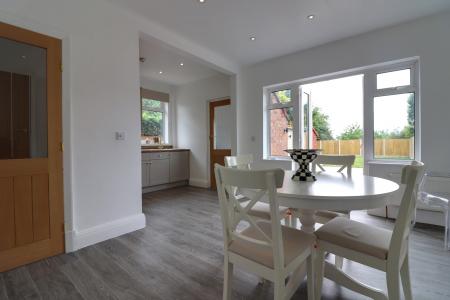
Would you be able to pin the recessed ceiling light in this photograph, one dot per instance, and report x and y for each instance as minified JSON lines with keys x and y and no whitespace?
{"x":24,"y":56}
{"x":311,"y":17}
{"x":181,"y":64}
{"x":252,"y":38}
{"x":160,"y":72}
{"x":201,"y":1}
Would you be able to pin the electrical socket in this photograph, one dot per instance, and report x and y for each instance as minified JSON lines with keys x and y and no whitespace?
{"x":120,"y":136}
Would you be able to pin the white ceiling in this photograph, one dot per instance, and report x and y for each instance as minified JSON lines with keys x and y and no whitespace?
{"x":162,"y":57}
{"x":280,"y":26}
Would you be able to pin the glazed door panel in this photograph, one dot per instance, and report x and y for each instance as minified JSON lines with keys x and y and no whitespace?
{"x":31,"y":197}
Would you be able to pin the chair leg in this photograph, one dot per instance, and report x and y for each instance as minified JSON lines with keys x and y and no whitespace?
{"x":406,"y":279}
{"x":310,"y":276}
{"x":447,"y":225}
{"x":319,"y":265}
{"x":279,"y":288}
{"x":393,"y":283}
{"x":227,"y":279}
{"x":338,"y":261}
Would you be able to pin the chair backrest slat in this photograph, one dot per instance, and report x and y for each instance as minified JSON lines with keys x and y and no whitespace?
{"x":344,"y":161}
{"x":400,"y":235}
{"x":263,"y":184}
{"x":241,"y":161}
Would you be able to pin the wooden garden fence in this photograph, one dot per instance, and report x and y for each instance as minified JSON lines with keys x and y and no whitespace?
{"x":383,"y":147}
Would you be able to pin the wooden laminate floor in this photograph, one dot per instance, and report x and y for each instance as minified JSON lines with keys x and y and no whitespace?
{"x":179,"y":256}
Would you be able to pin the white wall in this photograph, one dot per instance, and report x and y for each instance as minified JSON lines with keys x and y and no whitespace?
{"x":428,"y":38}
{"x":192,"y":115}
{"x":100,"y":96}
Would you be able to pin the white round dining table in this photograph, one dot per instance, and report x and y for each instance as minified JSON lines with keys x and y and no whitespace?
{"x":334,"y":191}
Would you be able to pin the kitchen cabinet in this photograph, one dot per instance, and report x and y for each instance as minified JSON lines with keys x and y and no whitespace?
{"x":165,"y":168}
{"x":159,"y":171}
{"x":179,"y":166}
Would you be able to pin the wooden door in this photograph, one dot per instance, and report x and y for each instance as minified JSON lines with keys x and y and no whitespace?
{"x":31,"y":184}
{"x":219,"y":135}
{"x":15,"y":98}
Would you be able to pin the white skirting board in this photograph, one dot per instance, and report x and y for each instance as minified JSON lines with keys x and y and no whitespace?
{"x":197,"y":182}
{"x":164,"y":186}
{"x":79,"y":239}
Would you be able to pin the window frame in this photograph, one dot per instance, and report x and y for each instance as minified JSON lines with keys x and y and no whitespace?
{"x":271,"y":106}
{"x":164,"y":109}
{"x":370,"y":91}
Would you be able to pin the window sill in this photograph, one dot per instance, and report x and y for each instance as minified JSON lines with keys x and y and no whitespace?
{"x":390,"y":162}
{"x":277,"y":158}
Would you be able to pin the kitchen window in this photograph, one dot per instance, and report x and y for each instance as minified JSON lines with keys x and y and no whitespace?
{"x":154,"y":117}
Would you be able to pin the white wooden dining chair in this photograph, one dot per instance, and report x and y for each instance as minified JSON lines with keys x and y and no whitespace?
{"x":241,"y":161}
{"x":260,"y":209}
{"x":344,"y":162}
{"x":265,"y":248}
{"x":375,"y":247}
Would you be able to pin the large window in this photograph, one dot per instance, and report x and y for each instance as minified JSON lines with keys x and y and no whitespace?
{"x":154,"y":118}
{"x":370,"y":113}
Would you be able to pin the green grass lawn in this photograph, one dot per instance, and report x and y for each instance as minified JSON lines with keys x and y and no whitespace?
{"x":359,"y":162}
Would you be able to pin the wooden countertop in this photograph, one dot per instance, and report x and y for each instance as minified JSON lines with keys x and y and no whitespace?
{"x":152,"y":150}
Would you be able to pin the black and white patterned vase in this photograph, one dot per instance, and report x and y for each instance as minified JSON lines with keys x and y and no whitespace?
{"x":303,"y":157}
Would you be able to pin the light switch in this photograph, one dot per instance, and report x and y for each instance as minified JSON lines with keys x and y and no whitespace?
{"x":120,"y":136}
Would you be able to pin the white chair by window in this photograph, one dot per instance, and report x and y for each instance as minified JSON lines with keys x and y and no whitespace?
{"x":260,"y":209}
{"x":343,"y":161}
{"x":434,"y":192}
{"x":242,"y":161}
{"x":265,"y":248}
{"x":372,"y":246}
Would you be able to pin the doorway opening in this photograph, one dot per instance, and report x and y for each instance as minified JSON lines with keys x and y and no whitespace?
{"x":332,"y":116}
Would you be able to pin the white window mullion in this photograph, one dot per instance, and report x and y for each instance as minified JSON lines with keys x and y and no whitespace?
{"x":296,"y":130}
{"x":368,"y":118}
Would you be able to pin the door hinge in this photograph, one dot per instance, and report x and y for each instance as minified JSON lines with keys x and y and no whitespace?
{"x":62,"y":67}
{"x":61,"y":146}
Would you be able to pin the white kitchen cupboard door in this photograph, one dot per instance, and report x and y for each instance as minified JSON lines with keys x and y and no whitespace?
{"x":179,"y":166}
{"x":145,"y":173}
{"x":159,"y":171}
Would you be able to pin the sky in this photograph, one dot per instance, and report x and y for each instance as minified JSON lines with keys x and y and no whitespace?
{"x":342,"y":100}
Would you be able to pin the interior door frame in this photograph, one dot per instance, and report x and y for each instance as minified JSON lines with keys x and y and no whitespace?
{"x":56,"y":244}
{"x":211,"y":106}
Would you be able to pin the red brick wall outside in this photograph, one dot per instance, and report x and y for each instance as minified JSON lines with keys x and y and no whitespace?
{"x":278,"y":134}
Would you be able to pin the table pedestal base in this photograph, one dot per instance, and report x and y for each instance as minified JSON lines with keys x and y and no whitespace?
{"x":307,"y":219}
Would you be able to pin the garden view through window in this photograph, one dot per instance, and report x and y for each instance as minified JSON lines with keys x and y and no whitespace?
{"x":331,"y":116}
{"x":153,"y":120}
{"x":281,"y":120}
